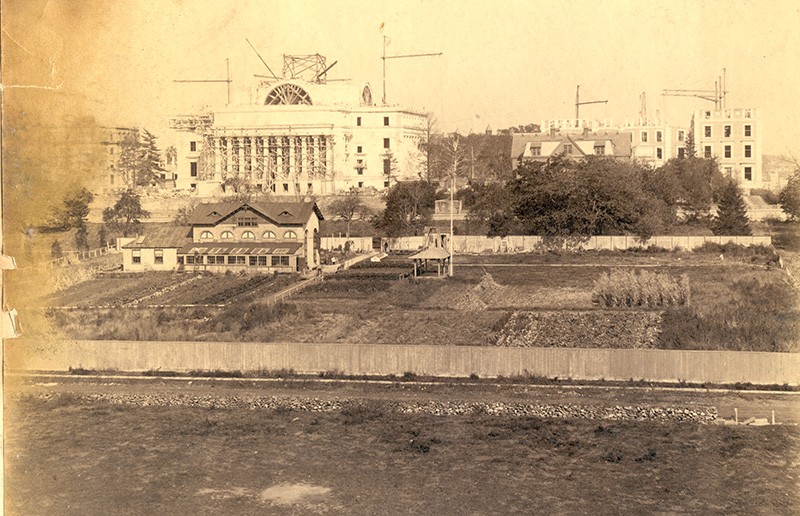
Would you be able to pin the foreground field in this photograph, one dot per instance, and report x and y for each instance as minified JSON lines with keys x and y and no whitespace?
{"x":740,"y":303}
{"x":66,"y":456}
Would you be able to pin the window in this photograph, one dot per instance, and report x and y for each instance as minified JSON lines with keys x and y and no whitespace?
{"x":727,"y":151}
{"x":280,"y":261}
{"x":707,"y":151}
{"x":136,"y":256}
{"x":682,"y":152}
{"x":226,"y":235}
{"x":216,"y":260}
{"x":727,"y":131}
{"x":748,"y":173}
{"x":567,"y":149}
{"x":644,"y":137}
{"x":290,"y":234}
{"x":536,"y":151}
{"x":659,"y":153}
{"x":285,"y":187}
{"x":359,"y":149}
{"x":284,"y":260}
{"x":268,"y":235}
{"x":159,"y":256}
{"x":360,"y":166}
{"x":180,"y":260}
{"x":309,"y":187}
{"x":748,"y":151}
{"x":231,"y":260}
{"x":190,"y":260}
{"x":361,"y":184}
{"x":248,"y":235}
{"x":386,"y":184}
{"x":681,"y":136}
{"x":728,"y":171}
{"x":747,"y":113}
{"x":112,"y":178}
{"x":386,"y":120}
{"x":253,"y":261}
{"x":193,"y":186}
{"x":387,"y":166}
{"x":747,"y":130}
{"x":193,"y":146}
{"x":193,"y":169}
{"x":247,"y":222}
{"x":206,"y":235}
{"x":358,"y":120}
{"x":262,"y":261}
{"x":111,"y":150}
{"x":599,"y":150}
{"x":707,"y":131}
{"x":659,"y":136}
{"x":386,"y":143}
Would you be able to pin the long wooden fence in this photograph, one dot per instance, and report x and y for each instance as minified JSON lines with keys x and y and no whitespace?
{"x":382,"y":359}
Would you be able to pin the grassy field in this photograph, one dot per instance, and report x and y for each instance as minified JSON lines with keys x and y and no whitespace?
{"x":742,"y":302}
{"x":69,"y":457}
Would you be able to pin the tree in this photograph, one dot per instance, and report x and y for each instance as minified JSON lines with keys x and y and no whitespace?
{"x":82,"y":236}
{"x":126,"y":214}
{"x":55,"y":250}
{"x":72,"y":212}
{"x":691,"y":151}
{"x":409,"y":206}
{"x":691,"y":183}
{"x":598,"y":196}
{"x":731,"y":216}
{"x":348,"y":208}
{"x":151,"y":156}
{"x":790,"y":197}
{"x":101,"y":236}
{"x":131,"y":161}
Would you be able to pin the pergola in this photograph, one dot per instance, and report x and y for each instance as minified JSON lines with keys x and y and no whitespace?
{"x":437,"y":254}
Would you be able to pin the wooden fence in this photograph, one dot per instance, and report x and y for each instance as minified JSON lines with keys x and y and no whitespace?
{"x":382,"y":359}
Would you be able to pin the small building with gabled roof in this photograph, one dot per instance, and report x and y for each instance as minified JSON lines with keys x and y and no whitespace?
{"x":233,"y":236}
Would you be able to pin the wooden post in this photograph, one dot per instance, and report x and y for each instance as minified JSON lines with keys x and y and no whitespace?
{"x":736,"y":415}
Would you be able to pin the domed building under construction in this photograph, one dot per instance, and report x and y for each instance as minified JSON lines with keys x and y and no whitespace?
{"x":303,"y":135}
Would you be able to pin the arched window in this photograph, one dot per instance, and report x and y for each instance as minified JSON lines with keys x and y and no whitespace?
{"x":249,"y":235}
{"x":226,"y":235}
{"x":268,"y":235}
{"x":290,"y":234}
{"x":206,"y":235}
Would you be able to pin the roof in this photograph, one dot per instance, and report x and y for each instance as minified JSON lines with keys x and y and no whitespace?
{"x":239,"y":248}
{"x":282,"y":213}
{"x":431,"y":253}
{"x":162,"y":238}
{"x":621,"y":140}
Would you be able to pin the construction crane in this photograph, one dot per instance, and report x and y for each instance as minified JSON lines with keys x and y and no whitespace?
{"x":227,"y":80}
{"x":718,"y":95}
{"x":578,"y":103}
{"x":385,"y":57}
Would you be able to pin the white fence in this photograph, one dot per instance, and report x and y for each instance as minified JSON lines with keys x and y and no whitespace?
{"x":512,"y":244}
{"x":71,"y":257}
{"x":357,"y":244}
{"x":383,"y":359}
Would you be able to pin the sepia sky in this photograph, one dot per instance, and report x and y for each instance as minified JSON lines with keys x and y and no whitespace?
{"x":509,"y":62}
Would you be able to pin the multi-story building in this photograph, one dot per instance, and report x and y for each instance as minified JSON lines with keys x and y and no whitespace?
{"x":655,"y":142}
{"x":230,"y":236}
{"x":733,"y":136}
{"x":300,"y":137}
{"x":113,"y":140}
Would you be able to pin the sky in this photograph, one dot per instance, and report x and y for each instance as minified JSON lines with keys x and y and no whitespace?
{"x":503,"y":63}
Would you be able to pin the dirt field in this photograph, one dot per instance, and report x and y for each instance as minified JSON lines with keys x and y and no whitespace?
{"x":739,"y":303}
{"x":71,"y":457}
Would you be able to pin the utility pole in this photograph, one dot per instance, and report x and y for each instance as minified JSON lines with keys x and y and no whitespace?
{"x":385,"y":57}
{"x":452,"y":200}
{"x":227,"y":80}
{"x":578,"y":102}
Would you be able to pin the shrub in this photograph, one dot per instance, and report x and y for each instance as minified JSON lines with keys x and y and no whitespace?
{"x":747,"y":253}
{"x":640,"y":289}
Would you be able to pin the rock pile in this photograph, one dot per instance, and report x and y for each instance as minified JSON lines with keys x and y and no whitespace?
{"x":699,"y":414}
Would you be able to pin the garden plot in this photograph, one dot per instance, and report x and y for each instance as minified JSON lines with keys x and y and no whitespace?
{"x":115,"y":289}
{"x":213,"y":289}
